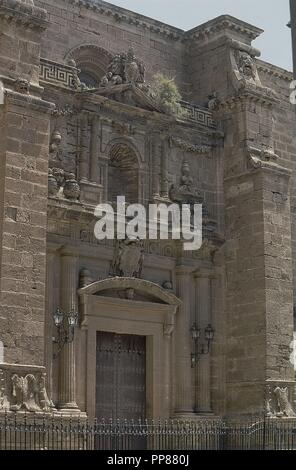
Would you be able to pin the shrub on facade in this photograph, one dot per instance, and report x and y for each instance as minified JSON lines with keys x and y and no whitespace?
{"x":165,"y":92}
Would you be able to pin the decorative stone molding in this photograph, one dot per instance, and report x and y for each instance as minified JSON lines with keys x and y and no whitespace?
{"x":223,"y":24}
{"x":22,"y":388}
{"x":67,"y":110}
{"x":126,"y":16}
{"x":22,"y":86}
{"x":188,"y":147}
{"x":61,"y":75}
{"x":273,"y":71}
{"x":153,"y":290}
{"x":194,"y":113}
{"x":258,"y":158}
{"x":24,"y":13}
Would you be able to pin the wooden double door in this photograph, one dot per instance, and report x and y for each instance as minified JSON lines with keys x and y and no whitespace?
{"x":120,"y":376}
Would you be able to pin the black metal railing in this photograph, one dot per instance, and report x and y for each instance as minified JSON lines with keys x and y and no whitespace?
{"x":27,"y":432}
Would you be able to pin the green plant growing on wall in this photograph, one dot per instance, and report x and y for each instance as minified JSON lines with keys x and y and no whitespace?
{"x":166,"y":94}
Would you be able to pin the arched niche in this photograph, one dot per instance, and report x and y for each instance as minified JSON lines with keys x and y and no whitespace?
{"x":123,"y":173}
{"x":93,"y":62}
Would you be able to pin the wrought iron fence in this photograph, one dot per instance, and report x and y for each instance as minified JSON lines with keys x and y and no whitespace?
{"x":56,"y":433}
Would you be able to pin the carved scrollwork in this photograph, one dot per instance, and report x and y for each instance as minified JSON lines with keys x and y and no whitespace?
{"x":190,"y":148}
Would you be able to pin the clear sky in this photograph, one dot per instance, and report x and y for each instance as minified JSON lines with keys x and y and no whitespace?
{"x":270,"y":15}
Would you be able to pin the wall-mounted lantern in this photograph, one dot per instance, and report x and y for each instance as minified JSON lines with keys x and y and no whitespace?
{"x":65,"y":324}
{"x":201,"y":349}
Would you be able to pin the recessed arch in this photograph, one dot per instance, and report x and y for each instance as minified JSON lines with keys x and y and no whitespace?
{"x":92,"y":60}
{"x":124,"y":171}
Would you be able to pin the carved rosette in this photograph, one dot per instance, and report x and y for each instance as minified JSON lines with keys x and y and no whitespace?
{"x":23,"y":388}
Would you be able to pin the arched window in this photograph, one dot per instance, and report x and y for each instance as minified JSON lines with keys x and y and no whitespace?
{"x":123,"y":174}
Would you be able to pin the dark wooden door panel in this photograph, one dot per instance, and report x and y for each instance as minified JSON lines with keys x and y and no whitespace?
{"x":120,"y":376}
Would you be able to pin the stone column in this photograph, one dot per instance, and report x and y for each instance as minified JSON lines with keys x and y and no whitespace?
{"x":155,"y":168}
{"x":84,"y":149}
{"x":68,"y":299}
{"x":183,"y":384}
{"x":50,"y":309}
{"x":204,"y":314}
{"x":164,"y":188}
{"x":94,"y":150}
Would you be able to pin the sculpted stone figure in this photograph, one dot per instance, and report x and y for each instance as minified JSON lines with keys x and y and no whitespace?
{"x":246,"y":66}
{"x":285,"y":408}
{"x":128,"y":258}
{"x":185,"y":193}
{"x":124,"y":68}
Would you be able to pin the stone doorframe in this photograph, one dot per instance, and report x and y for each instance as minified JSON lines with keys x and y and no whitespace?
{"x":153,"y":317}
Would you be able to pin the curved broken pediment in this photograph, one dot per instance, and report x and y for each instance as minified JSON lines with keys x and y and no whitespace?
{"x":132,"y":288}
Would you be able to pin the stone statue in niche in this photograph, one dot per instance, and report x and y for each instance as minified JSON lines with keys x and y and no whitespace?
{"x":247,"y":66}
{"x":186,"y":192}
{"x":124,"y":68}
{"x":128,"y":258}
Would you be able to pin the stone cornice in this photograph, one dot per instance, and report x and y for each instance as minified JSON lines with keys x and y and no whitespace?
{"x":273,"y":70}
{"x":126,"y":16}
{"x":27,"y":100}
{"x":26,"y":14}
{"x":223,"y":24}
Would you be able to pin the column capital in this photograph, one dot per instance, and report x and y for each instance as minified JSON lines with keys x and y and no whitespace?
{"x":204,"y":273}
{"x":184,"y":270}
{"x":69,"y":251}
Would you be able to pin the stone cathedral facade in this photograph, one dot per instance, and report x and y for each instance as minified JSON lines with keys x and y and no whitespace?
{"x":176,"y":334}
